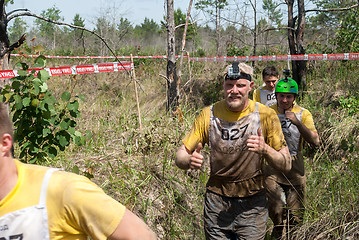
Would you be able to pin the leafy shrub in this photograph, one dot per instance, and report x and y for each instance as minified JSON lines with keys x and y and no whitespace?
{"x":200,"y":53}
{"x":233,"y":50}
{"x":43,"y":125}
{"x":351,"y":104}
{"x":347,"y":35}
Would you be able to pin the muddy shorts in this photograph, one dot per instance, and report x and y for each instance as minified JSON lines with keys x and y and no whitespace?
{"x":282,"y":198}
{"x":235,"y":218}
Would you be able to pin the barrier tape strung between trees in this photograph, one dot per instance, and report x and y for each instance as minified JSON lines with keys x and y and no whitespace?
{"x":75,"y":69}
{"x":115,"y":66}
{"x":305,"y":57}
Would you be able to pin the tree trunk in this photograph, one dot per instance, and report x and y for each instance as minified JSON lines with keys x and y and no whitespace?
{"x":291,"y":26}
{"x":172,"y":88}
{"x":184,"y":42}
{"x":255,"y":32}
{"x":295,"y":41}
{"x":301,"y":65}
{"x":217,"y":27}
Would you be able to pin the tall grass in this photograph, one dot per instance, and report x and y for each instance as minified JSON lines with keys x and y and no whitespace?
{"x":137,"y":167}
{"x":332,"y":170}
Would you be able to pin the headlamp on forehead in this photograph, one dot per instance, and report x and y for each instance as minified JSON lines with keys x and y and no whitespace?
{"x":234,"y":73}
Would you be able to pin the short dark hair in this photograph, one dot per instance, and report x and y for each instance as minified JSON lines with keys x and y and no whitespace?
{"x":270,"y":71}
{"x":5,"y":122}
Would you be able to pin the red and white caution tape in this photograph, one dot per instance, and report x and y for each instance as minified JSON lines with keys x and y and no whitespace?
{"x":75,"y":69}
{"x":87,"y":57}
{"x":115,"y":66}
{"x":305,"y":57}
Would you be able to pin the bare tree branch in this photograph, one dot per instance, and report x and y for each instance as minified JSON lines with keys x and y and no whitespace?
{"x":13,"y":46}
{"x":183,"y":24}
{"x":17,"y":10}
{"x":184,"y":42}
{"x":18,"y":43}
{"x":279,"y":28}
{"x":238,"y":23}
{"x":69,"y":25}
{"x":333,"y":9}
{"x":165,"y":77}
{"x":123,"y":34}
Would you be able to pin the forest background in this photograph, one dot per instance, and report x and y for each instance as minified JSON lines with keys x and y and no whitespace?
{"x":136,"y":165}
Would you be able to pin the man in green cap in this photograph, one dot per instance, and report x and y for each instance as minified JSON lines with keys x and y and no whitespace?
{"x":286,"y":191}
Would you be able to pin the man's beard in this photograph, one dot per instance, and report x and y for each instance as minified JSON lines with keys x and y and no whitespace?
{"x":235,"y":105}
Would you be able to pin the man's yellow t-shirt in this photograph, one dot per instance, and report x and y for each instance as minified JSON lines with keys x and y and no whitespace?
{"x":76,"y":207}
{"x":307,"y":118}
{"x":296,"y":175}
{"x":271,"y":128}
{"x":268,"y":97}
{"x":257,"y":93}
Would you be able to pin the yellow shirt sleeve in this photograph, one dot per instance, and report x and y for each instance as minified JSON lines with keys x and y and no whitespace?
{"x":257,"y":95}
{"x":199,"y":131}
{"x":77,"y":206}
{"x":307,"y":120}
{"x":271,"y":128}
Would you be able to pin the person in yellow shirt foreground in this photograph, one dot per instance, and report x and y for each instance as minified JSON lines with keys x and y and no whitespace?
{"x":240,"y":134}
{"x":286,"y":191}
{"x":38,"y":203}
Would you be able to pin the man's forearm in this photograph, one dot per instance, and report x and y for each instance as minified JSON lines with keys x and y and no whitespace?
{"x":310,"y":136}
{"x":279,"y":160}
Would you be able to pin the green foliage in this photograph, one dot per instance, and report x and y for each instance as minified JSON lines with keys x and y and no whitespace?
{"x":17,"y":29}
{"x":233,"y":50}
{"x":147,"y":29}
{"x":213,"y":91}
{"x":9,"y":1}
{"x":316,"y":47}
{"x":77,"y":33}
{"x":78,"y":21}
{"x":347,"y":36}
{"x":330,"y":19}
{"x":208,"y":5}
{"x":349,"y":145}
{"x":180,"y":19}
{"x":124,"y":26}
{"x":63,"y":52}
{"x":43,"y":124}
{"x":351,"y":104}
{"x":200,"y":53}
{"x":274,"y":14}
{"x":47,"y":28}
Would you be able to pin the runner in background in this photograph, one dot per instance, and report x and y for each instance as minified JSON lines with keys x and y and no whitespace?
{"x":241,"y":133}
{"x":286,"y":191}
{"x":44,"y":203}
{"x":265,"y":94}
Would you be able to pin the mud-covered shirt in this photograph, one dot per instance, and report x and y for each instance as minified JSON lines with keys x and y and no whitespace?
{"x":296,"y":175}
{"x":271,"y":131}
